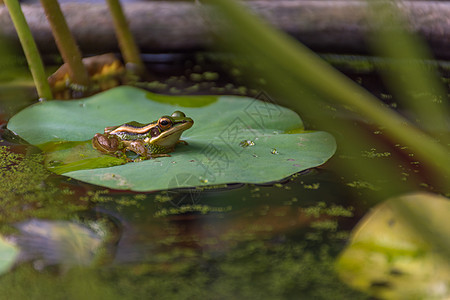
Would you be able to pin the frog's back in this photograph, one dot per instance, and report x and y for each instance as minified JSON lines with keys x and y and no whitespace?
{"x":133,"y":130}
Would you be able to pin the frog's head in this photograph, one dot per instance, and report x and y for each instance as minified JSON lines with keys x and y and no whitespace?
{"x":168,"y":129}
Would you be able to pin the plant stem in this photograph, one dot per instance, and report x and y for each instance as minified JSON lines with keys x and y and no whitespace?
{"x":127,"y":44}
{"x":65,"y":42}
{"x":30,"y":49}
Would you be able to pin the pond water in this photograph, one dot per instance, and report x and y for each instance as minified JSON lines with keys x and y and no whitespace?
{"x":273,"y":241}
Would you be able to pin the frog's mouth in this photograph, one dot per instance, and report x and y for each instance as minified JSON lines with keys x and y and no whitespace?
{"x":169,"y":137}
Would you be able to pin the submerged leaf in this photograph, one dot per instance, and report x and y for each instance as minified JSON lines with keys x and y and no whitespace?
{"x":390,"y":258}
{"x":214,"y":155}
{"x":57,"y":242}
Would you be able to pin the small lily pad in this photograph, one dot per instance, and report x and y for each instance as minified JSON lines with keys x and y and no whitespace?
{"x":214,"y":155}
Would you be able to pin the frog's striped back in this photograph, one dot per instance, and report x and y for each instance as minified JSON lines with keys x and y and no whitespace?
{"x":133,"y":130}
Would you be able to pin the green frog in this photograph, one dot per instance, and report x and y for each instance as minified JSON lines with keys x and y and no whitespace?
{"x":155,"y":139}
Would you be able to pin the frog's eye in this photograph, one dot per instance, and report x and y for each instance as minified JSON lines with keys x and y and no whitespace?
{"x":154,"y":132}
{"x":164,"y":123}
{"x":178,"y":114}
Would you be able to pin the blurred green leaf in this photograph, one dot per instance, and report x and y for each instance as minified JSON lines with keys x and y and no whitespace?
{"x":414,"y":82}
{"x":294,"y":73}
{"x":389,"y":258}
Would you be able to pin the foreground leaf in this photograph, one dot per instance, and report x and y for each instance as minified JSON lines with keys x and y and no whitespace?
{"x":390,"y":259}
{"x":234,"y":139}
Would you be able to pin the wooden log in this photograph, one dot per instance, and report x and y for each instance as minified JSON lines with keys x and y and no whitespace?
{"x":331,"y":26}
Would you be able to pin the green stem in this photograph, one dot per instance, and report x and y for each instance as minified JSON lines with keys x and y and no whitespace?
{"x":305,"y":66}
{"x":127,"y":44}
{"x":30,"y":49}
{"x":65,"y":42}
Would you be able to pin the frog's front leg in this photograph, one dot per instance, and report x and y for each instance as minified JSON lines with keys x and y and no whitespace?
{"x":140,"y":148}
{"x":182,"y":142}
{"x":137,"y":147}
{"x":106,"y":143}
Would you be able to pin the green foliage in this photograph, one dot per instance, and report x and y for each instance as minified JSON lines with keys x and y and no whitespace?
{"x":233,"y":140}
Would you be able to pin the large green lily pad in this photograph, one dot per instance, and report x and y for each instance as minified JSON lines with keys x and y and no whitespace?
{"x":216,"y":153}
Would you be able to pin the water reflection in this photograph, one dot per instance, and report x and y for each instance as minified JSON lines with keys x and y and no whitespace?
{"x":215,"y":221}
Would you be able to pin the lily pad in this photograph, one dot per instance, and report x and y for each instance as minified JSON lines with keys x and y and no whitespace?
{"x":234,"y":139}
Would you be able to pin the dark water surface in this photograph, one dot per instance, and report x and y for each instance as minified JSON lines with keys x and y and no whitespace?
{"x":272,"y":241}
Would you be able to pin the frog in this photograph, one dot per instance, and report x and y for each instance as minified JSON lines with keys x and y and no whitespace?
{"x":148,"y":141}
